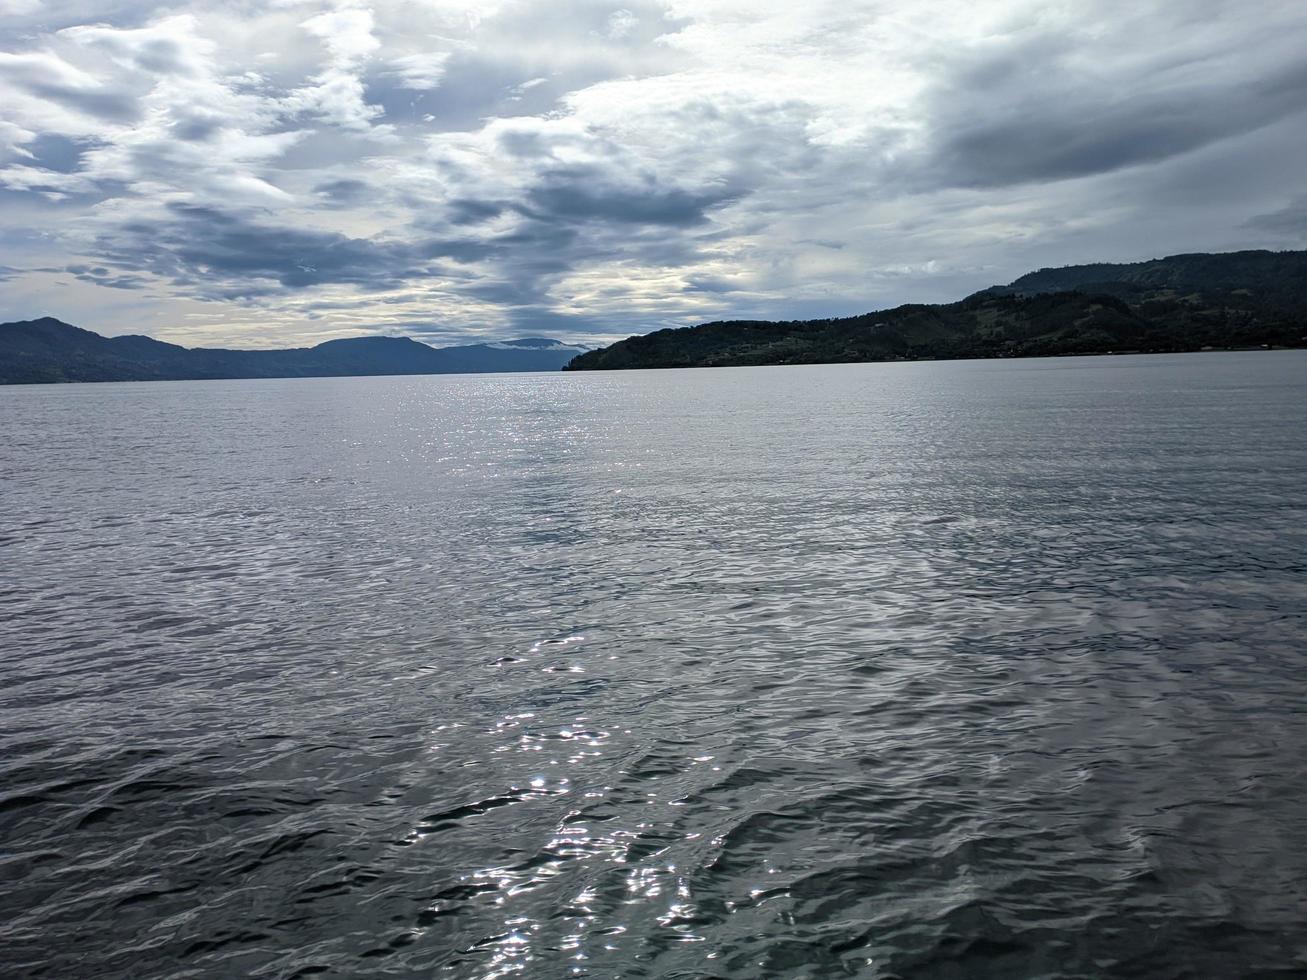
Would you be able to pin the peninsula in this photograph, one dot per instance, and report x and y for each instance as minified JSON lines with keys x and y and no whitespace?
{"x":1179,"y":303}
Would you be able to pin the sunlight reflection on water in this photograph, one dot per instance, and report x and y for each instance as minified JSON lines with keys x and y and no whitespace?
{"x":875,"y":670}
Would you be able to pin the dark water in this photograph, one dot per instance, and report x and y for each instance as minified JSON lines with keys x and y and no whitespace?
{"x":988,"y":669}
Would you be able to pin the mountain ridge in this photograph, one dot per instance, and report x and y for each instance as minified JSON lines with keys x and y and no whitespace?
{"x":1183,"y":302}
{"x":46,"y":349}
{"x":1189,"y":301}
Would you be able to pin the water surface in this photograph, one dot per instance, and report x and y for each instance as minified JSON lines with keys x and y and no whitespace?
{"x":989,"y":668}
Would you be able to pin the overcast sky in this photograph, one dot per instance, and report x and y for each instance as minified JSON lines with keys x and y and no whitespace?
{"x":283,"y":173}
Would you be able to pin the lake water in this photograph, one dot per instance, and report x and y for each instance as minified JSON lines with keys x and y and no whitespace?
{"x":953,"y":669}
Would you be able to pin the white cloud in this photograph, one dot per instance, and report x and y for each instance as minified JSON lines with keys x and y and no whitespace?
{"x":45,"y":69}
{"x":171,"y":46}
{"x":14,"y":140}
{"x":347,"y":33}
{"x":621,"y":23}
{"x":420,"y":71}
{"x":49,"y":183}
{"x":337,"y":94}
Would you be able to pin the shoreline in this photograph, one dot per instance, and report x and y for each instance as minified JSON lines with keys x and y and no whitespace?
{"x":670,"y":367}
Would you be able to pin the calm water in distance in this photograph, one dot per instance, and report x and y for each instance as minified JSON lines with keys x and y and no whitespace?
{"x":952,"y":669}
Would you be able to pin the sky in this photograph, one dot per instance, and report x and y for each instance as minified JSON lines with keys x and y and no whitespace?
{"x":279,"y":174}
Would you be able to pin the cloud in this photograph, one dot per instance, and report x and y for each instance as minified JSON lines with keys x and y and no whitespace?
{"x":596,"y":168}
{"x":101,"y":276}
{"x":217,"y":254}
{"x":19,"y":177}
{"x":1289,"y":221}
{"x":347,"y":33}
{"x":620,"y":24}
{"x":15,"y":142}
{"x":1042,"y":109}
{"x":419,"y":71}
{"x":171,"y":46}
{"x":342,"y":192}
{"x":52,"y":79}
{"x":37,"y":70}
{"x":581,"y":194}
{"x":338,"y":93}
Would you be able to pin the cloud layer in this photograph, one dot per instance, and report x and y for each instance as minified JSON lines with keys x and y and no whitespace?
{"x":289,"y":172}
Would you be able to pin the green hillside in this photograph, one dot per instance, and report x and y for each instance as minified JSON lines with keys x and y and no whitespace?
{"x":1180,"y":303}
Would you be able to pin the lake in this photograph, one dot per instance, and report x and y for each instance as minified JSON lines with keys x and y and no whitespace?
{"x":941,"y":669}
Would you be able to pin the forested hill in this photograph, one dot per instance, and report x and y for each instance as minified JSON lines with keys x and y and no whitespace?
{"x":44,"y":350}
{"x":1179,"y":303}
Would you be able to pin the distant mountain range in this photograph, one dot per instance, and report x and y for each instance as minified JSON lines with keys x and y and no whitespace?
{"x":1179,"y":303}
{"x":45,"y":350}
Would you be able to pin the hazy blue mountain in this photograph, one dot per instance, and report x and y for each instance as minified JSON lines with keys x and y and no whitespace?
{"x":1179,"y":303}
{"x":44,"y":350}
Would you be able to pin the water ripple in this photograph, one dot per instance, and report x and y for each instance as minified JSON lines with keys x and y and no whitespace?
{"x":929,"y":670}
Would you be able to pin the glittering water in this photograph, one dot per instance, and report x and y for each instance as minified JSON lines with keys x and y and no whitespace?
{"x":987,"y":669}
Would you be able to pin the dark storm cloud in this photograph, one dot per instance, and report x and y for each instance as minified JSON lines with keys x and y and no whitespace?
{"x":345,"y":192}
{"x":50,"y":78}
{"x":465,"y":211}
{"x":1290,"y":221}
{"x":581,"y":194}
{"x":1034,"y":113}
{"x":119,"y":107}
{"x":521,"y":263}
{"x":565,"y":218}
{"x":217,"y":254}
{"x":538,"y":320}
{"x":101,"y":276}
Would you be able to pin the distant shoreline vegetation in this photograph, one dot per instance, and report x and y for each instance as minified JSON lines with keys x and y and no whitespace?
{"x":1203,"y":301}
